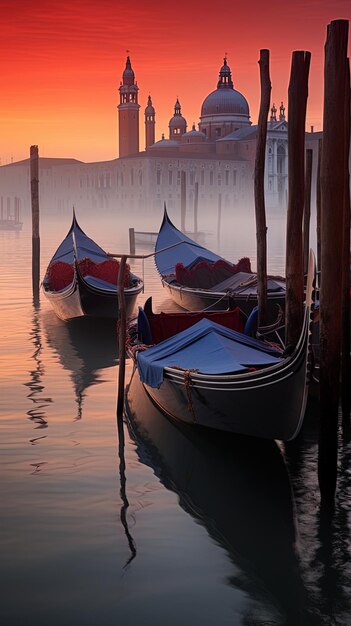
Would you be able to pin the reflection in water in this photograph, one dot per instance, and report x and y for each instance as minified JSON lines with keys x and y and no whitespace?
{"x":37,"y":467}
{"x":123,"y":491}
{"x":84,"y":347}
{"x":325,"y":552}
{"x":37,"y":413}
{"x":239,"y":490}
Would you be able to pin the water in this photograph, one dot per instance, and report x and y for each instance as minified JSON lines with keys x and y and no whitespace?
{"x":185,"y":527}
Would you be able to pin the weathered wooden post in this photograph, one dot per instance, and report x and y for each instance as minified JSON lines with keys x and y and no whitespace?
{"x":318,"y":204}
{"x":260,"y":208}
{"x":122,"y":321}
{"x":345,"y":344}
{"x":196,"y":205}
{"x":297,"y":103}
{"x":219,"y":216}
{"x":34,"y":184}
{"x":17,"y":209}
{"x":131,"y":241}
{"x":182,"y":200}
{"x":307,"y":210}
{"x":333,"y":198}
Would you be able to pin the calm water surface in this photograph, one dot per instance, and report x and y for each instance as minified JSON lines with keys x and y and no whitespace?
{"x":186,"y":527}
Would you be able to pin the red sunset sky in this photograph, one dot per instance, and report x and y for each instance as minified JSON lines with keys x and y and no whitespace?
{"x":61,"y":63}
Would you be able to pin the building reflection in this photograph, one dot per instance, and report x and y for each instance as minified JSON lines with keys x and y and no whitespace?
{"x":239,"y":490}
{"x":84,"y":348}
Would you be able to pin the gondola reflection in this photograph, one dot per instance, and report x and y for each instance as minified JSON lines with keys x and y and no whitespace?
{"x":84,"y":348}
{"x":238,"y":489}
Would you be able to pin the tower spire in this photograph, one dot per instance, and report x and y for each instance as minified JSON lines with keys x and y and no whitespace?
{"x":128,"y":112}
{"x":177,"y":124}
{"x":225,"y":76}
{"x":149,"y":124}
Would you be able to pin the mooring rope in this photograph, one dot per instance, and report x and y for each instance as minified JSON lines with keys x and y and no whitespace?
{"x":187,"y":384}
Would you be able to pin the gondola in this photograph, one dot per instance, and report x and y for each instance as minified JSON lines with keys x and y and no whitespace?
{"x":81,"y":279}
{"x":199,"y":279}
{"x":211,"y":374}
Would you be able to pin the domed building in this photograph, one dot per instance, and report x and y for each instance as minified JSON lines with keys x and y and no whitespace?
{"x":194,"y":141}
{"x":217,"y":157}
{"x":165,"y":144}
{"x":225,"y":109}
{"x":223,"y":112}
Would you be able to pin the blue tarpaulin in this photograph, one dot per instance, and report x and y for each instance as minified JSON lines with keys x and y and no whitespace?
{"x":188,"y":252}
{"x":207,"y":347}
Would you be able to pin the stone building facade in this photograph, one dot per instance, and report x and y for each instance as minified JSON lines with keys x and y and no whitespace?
{"x":219,"y":156}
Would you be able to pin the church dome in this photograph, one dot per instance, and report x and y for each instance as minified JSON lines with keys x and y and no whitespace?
{"x":225,"y":101}
{"x":165,"y":143}
{"x":177,"y":121}
{"x":193,"y":136}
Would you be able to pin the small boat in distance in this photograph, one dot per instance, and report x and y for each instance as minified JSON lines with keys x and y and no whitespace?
{"x":201,"y":369}
{"x":199,"y":279}
{"x":81,"y":279}
{"x":11,"y":222}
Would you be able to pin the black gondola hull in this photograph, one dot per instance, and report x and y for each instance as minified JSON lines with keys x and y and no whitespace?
{"x":268,"y":403}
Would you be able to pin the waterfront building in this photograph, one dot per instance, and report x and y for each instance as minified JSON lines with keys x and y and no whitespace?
{"x":218,"y":155}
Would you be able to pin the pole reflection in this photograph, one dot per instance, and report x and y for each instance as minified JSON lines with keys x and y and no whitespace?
{"x":35,"y":384}
{"x":123,"y":491}
{"x":324,"y":549}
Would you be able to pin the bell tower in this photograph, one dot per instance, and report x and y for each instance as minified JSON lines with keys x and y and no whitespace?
{"x":128,"y":113}
{"x":149,"y":124}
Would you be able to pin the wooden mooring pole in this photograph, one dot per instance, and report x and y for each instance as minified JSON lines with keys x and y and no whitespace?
{"x":196,"y":205}
{"x":345,"y":342}
{"x":34,"y":185}
{"x":260,"y":208}
{"x":219,"y":216}
{"x":307,"y":210}
{"x":318,"y":204}
{"x":132,"y":241}
{"x":122,"y":321}
{"x":332,"y":208}
{"x":297,"y":103}
{"x":182,"y":200}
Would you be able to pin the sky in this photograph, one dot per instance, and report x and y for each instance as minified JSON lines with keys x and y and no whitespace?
{"x":61,"y":63}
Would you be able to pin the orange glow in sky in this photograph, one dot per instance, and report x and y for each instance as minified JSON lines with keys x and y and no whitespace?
{"x":61,"y":64}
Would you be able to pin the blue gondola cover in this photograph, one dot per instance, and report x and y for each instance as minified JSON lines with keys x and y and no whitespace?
{"x":208,"y":348}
